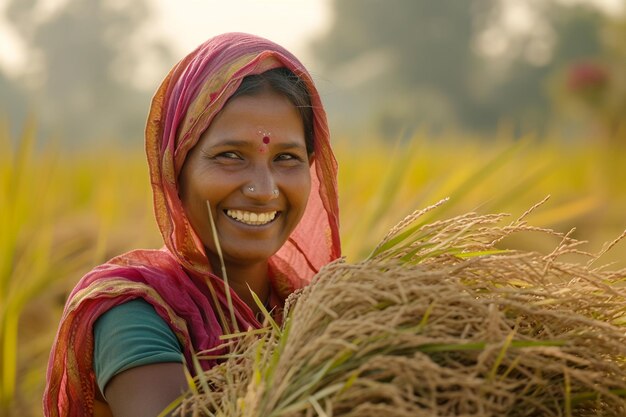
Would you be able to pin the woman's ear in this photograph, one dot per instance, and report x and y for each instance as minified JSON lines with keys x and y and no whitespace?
{"x":311,"y":158}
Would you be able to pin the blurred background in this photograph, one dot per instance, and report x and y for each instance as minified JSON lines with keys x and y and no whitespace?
{"x":534,"y":65}
{"x":494,"y":104}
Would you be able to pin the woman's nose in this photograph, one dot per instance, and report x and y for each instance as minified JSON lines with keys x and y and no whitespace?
{"x":261,"y":186}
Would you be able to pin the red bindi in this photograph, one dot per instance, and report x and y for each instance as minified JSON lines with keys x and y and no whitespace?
{"x":266,"y":139}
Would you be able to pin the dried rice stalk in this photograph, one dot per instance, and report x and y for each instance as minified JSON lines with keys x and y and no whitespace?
{"x":438,"y":322}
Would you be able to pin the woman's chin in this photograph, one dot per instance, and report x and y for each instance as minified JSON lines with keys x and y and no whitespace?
{"x":243,"y":256}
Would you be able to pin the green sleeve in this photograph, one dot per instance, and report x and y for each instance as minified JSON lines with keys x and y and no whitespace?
{"x":130,"y":335}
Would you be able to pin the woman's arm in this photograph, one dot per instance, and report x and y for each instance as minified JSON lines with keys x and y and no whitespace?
{"x":146,"y":390}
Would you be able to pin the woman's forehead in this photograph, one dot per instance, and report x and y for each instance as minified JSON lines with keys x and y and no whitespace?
{"x":265,"y":118}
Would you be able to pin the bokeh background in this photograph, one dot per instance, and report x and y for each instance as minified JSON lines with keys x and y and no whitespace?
{"x":494,"y":104}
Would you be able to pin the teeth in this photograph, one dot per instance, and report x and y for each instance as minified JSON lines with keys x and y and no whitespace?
{"x":251,"y":218}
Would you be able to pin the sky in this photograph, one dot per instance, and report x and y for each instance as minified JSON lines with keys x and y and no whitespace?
{"x":290,"y":23}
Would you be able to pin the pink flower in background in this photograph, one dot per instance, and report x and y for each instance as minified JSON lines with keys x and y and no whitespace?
{"x":597,"y":89}
{"x":587,"y":77}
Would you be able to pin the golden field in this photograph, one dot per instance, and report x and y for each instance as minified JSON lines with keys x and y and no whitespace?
{"x":64,"y":212}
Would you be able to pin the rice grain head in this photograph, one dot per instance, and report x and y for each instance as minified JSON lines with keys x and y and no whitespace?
{"x":439,"y":321}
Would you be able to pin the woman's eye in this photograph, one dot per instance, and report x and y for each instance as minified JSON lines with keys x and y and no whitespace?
{"x":228,"y":155}
{"x":288,"y":157}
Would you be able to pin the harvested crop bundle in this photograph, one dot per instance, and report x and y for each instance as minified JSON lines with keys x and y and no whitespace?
{"x":438,"y":322}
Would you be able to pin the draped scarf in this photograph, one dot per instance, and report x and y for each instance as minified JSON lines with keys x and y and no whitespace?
{"x":177,"y":279}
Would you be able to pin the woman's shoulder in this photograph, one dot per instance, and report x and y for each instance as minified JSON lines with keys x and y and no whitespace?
{"x":149,"y":275}
{"x":136,"y":316}
{"x":135,"y":310}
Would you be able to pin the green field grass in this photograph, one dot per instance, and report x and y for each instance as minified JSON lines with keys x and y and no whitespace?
{"x":63,"y":213}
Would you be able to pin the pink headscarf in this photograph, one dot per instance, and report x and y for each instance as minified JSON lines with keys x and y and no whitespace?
{"x":177,"y":279}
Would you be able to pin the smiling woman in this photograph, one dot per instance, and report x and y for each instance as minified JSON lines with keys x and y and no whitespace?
{"x":239,"y":153}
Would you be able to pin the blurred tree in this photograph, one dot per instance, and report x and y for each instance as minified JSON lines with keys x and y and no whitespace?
{"x":81,"y":64}
{"x":520,"y":94}
{"x":440,"y":63}
{"x":413,"y":58}
{"x":12,"y":105}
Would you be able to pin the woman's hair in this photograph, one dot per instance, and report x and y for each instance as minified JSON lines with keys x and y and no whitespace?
{"x":283,"y":81}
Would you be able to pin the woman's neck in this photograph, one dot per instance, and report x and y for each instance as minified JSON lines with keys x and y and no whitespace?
{"x":243,"y":278}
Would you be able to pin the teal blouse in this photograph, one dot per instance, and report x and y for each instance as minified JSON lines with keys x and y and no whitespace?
{"x":130,"y":335}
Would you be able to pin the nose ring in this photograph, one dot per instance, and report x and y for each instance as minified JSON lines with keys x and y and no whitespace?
{"x":251,"y":189}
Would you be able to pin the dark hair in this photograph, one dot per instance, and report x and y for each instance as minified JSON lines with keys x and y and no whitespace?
{"x":283,"y":81}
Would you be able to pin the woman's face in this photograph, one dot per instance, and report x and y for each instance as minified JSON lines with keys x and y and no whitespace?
{"x":251,"y":163}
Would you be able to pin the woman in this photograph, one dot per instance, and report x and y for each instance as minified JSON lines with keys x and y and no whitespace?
{"x":237,"y":143}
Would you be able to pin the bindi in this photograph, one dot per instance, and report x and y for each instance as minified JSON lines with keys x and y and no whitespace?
{"x":265,"y":140}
